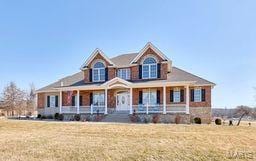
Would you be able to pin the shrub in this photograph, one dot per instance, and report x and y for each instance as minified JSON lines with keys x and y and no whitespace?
{"x":77,"y":117}
{"x":61,"y":117}
{"x":218,"y":121}
{"x":56,"y":116}
{"x":197,"y":120}
{"x":39,"y":116}
{"x":146,"y":119}
{"x":49,"y":117}
{"x":134,"y":118}
{"x":43,"y":117}
{"x":177,"y":119}
{"x":156,"y":119}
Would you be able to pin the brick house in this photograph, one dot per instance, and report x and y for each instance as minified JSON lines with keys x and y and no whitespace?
{"x":145,"y":83}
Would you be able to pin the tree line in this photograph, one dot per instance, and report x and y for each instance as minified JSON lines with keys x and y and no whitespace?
{"x":17,"y":102}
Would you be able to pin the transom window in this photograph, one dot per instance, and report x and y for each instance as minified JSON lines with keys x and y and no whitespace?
{"x":149,"y":68}
{"x":198,"y":95}
{"x":99,"y":98}
{"x":124,"y":73}
{"x":176,"y":95}
{"x":149,"y":97}
{"x":98,"y":72}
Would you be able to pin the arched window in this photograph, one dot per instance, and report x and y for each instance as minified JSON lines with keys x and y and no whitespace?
{"x":98,"y":72}
{"x":149,"y":68}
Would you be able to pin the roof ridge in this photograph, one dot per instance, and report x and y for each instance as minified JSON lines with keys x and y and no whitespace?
{"x":193,"y":74}
{"x":124,"y":54}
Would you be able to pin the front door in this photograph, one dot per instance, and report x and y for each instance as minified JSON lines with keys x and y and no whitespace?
{"x":122,"y":101}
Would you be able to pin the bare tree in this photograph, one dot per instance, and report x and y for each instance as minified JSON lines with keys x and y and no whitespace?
{"x":30,"y":100}
{"x":13,"y":99}
{"x":243,"y":111}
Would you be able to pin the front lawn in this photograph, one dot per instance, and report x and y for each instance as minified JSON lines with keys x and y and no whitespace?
{"x":65,"y":141}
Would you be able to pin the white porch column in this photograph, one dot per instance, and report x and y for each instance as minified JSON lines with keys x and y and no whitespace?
{"x":187,"y":99}
{"x":60,"y":102}
{"x":131,"y":103}
{"x":106,"y":101}
{"x":78,"y":102}
{"x":164,"y":100}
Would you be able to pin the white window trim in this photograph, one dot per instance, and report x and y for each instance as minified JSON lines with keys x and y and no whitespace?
{"x":200,"y":95}
{"x":149,"y":71}
{"x":98,"y":69}
{"x":99,"y":92}
{"x":126,"y":70}
{"x":176,"y":90}
{"x":52,"y":105}
{"x":149,"y":67}
{"x":148,"y":91}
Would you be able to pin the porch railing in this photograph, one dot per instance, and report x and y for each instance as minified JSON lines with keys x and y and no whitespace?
{"x":150,"y":109}
{"x":93,"y":109}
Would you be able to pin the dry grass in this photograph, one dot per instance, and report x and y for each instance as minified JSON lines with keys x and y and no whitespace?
{"x":28,"y":140}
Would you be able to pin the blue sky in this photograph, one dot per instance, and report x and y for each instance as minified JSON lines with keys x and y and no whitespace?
{"x":45,"y":40}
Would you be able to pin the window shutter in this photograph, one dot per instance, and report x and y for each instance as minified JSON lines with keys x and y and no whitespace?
{"x":171,"y":95}
{"x":182,"y":95}
{"x":106,"y":74}
{"x":158,"y":97}
{"x":140,"y":71}
{"x":140,"y":97}
{"x":48,"y":101}
{"x":90,"y":75}
{"x":203,"y":95}
{"x":80,"y":100}
{"x":73,"y":100}
{"x":56,"y":101}
{"x":192,"y":95}
{"x":91,"y":99}
{"x":159,"y":70}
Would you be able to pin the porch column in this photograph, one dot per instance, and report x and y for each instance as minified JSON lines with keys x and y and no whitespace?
{"x":106,"y":101}
{"x":78,"y":102}
{"x":187,"y":99}
{"x":60,"y":102}
{"x":131,"y":101}
{"x":164,"y":100}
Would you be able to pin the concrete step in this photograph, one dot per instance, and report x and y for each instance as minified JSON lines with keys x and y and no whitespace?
{"x":118,"y":116}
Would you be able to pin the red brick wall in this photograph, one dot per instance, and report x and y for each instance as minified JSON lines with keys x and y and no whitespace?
{"x":111,"y":71}
{"x":98,"y":56}
{"x":65,"y":98}
{"x":135,"y":73}
{"x":111,"y":98}
{"x":207,"y":102}
{"x":40,"y":100}
{"x":149,"y":52}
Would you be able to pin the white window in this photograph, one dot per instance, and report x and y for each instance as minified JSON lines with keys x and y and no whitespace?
{"x":98,"y":72}
{"x":176,"y":95}
{"x":149,"y":68}
{"x":124,"y":73}
{"x":52,"y":101}
{"x":149,"y":97}
{"x":197,"y":95}
{"x":99,"y":98}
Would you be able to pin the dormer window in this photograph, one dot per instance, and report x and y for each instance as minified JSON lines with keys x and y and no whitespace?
{"x":98,"y":72}
{"x":149,"y":68}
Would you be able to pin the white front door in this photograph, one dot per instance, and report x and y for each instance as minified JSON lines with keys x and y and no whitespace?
{"x":122,"y":101}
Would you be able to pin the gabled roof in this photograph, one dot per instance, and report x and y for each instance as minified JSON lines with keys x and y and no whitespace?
{"x":177,"y":75}
{"x":92,"y":56}
{"x":146,"y":47}
{"x":124,"y":60}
